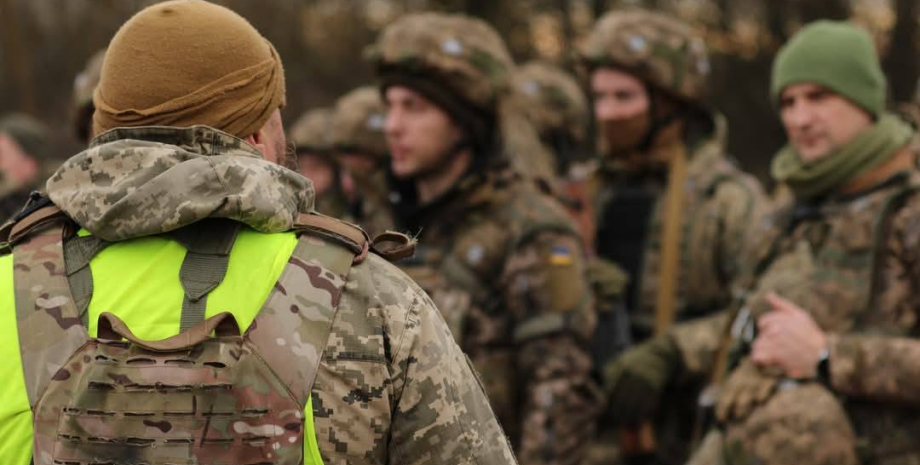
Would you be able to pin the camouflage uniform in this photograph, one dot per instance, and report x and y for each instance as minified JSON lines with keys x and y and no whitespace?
{"x":717,"y":202}
{"x":498,"y":255}
{"x":311,"y":136}
{"x":849,"y":261}
{"x":555,"y":103}
{"x":358,"y":128}
{"x":391,"y":387}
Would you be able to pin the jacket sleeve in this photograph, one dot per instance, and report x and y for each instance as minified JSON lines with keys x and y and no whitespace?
{"x":547,"y":293}
{"x":698,"y":344}
{"x":442,"y":414}
{"x":394,"y":387}
{"x":882,"y":365}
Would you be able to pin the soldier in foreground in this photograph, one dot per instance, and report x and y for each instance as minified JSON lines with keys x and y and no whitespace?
{"x":311,"y":135}
{"x":324,"y":352}
{"x":817,"y":362}
{"x":498,"y":255}
{"x":671,"y":208}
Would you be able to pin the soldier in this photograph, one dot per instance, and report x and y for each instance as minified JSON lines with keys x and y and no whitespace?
{"x":499,"y":255}
{"x":816,"y":364}
{"x":671,"y":208}
{"x":556,"y":105}
{"x":311,"y":135}
{"x":83,"y":86}
{"x":359,"y":144}
{"x":178,"y":222}
{"x":24,"y":161}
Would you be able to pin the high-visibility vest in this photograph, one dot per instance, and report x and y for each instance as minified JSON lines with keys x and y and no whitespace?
{"x":138,"y":281}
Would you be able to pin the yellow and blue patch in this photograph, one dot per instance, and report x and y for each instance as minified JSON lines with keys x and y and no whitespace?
{"x":561,"y":256}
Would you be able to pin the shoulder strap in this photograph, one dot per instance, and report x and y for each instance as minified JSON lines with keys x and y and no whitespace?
{"x":47,"y":317}
{"x":208,"y":244}
{"x":349,"y":235}
{"x":293,"y":326}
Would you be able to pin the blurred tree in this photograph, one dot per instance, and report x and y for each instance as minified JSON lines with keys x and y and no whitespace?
{"x":901,"y":64}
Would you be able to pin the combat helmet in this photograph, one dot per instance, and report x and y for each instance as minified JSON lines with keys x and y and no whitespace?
{"x":660,"y":50}
{"x":458,"y":62}
{"x":312,"y":132}
{"x":358,"y":123}
{"x":553,"y":100}
{"x":83,"y":86}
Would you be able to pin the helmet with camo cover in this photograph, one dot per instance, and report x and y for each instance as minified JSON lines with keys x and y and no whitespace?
{"x":458,"y":62}
{"x":312,"y":131}
{"x":658,"y":49}
{"x":553,"y":100}
{"x":358,"y":123}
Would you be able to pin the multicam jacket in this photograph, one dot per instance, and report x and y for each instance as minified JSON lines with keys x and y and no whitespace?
{"x":504,"y":265}
{"x":718,"y":204}
{"x":392,"y":386}
{"x":851,"y":262}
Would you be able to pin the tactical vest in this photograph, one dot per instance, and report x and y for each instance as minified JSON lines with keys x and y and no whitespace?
{"x":699,"y":292}
{"x":826,"y":260}
{"x":238,"y":398}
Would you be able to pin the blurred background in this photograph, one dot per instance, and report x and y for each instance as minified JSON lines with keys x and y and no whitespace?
{"x":45,"y":43}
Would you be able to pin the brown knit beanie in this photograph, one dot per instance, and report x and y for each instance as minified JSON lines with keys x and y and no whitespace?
{"x":187,"y":62}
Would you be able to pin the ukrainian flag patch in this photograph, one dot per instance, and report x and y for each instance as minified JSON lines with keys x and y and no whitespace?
{"x":561,"y":256}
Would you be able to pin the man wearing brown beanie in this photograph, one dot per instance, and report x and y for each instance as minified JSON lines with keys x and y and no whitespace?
{"x":176,"y":225}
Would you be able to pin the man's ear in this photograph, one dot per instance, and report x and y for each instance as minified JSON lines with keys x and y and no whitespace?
{"x":258,"y":140}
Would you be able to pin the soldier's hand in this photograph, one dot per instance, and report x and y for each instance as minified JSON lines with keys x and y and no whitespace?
{"x":789,"y":339}
{"x":746,"y":388}
{"x":634,"y":381}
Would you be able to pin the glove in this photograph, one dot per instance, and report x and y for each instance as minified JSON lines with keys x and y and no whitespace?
{"x":746,"y":388}
{"x":635,"y":380}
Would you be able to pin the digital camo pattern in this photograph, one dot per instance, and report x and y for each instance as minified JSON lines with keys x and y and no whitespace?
{"x":849,"y":262}
{"x":359,"y":121}
{"x":312,"y":131}
{"x":657,"y":48}
{"x":136,"y":182}
{"x":553,"y":100}
{"x":464,"y":53}
{"x":392,"y":387}
{"x":505,"y":268}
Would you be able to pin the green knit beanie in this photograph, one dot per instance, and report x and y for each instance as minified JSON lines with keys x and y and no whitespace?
{"x":836,"y":55}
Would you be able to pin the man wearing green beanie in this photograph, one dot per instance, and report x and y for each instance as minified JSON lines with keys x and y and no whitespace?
{"x":816,"y":362}
{"x":178,"y":223}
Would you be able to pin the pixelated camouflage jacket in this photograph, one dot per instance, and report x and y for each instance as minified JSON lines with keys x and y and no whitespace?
{"x":420,"y":402}
{"x":852,"y":263}
{"x":718,"y":204}
{"x":505,"y":267}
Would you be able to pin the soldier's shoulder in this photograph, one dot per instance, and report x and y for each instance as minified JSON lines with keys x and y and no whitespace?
{"x":528,"y":209}
{"x":378,"y":293}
